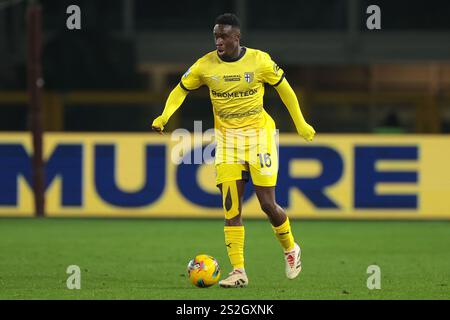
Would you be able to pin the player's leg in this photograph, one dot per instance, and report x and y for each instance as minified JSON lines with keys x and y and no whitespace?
{"x":282,"y":229}
{"x":264,"y":172}
{"x":232,"y":197}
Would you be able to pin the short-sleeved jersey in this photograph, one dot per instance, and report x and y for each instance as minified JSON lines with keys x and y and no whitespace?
{"x":236,"y":87}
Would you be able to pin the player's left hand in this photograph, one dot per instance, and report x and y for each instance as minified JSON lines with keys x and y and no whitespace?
{"x":307,"y":132}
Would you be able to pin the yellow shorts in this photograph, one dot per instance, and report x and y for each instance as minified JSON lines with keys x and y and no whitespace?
{"x":242,"y":160}
{"x":236,"y":171}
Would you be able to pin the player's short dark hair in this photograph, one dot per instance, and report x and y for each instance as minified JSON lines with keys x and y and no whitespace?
{"x":228,"y":19}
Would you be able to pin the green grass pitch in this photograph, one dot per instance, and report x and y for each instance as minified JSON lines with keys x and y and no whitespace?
{"x":146,"y":259}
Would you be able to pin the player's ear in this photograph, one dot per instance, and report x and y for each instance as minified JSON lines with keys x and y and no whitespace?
{"x":238,"y":35}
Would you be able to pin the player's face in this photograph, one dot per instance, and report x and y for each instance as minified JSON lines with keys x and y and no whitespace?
{"x":227,"y":40}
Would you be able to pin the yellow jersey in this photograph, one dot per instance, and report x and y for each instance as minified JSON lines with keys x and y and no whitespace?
{"x":236,"y":87}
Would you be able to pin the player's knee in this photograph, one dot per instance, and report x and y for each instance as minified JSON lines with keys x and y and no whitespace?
{"x":235,"y":221}
{"x":232,"y":213}
{"x":231,"y":202}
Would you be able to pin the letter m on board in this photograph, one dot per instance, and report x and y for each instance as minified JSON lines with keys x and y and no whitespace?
{"x":64,"y":162}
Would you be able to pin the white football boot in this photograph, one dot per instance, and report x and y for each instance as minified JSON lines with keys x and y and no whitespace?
{"x":293,"y":262}
{"x":236,"y":279}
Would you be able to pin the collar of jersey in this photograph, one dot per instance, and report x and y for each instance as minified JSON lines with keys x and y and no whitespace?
{"x":243,"y":51}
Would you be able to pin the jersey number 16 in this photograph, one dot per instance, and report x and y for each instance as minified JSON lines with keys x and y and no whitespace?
{"x":264,"y":159}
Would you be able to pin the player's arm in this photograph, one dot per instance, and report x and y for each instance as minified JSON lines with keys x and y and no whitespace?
{"x":289,"y":99}
{"x":191,"y":80}
{"x":174,"y":101}
{"x":272,"y":74}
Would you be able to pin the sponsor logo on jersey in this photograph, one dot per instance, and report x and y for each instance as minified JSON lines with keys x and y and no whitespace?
{"x":187,"y":73}
{"x":234,"y":115}
{"x":236,"y":94}
{"x":276,"y":68}
{"x":231,"y":78}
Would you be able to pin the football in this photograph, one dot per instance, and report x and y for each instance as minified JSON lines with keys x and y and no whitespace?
{"x":203,"y":271}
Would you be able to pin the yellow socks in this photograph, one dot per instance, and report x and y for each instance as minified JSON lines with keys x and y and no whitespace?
{"x":234,"y":240}
{"x":284,"y":235}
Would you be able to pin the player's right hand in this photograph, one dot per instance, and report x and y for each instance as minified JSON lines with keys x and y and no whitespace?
{"x":158,"y":124}
{"x":307,"y":132}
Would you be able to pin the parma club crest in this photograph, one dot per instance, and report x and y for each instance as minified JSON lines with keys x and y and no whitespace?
{"x":248,"y":76}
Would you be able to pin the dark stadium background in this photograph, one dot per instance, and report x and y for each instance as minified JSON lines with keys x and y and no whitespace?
{"x":324,"y":47}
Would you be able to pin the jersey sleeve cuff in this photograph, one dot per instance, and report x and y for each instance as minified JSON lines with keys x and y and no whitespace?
{"x":279,"y":81}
